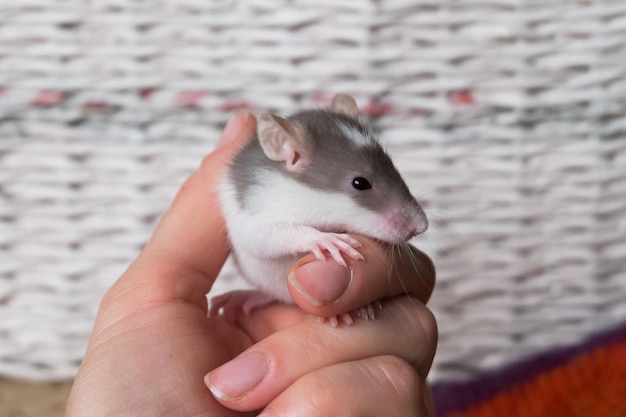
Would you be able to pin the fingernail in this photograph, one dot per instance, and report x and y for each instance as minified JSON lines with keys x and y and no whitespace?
{"x":233,"y":127}
{"x":237,"y":377}
{"x":321,"y":283}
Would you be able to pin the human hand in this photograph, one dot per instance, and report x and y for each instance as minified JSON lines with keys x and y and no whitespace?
{"x":152,"y":343}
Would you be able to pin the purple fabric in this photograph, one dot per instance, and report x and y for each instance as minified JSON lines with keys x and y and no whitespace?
{"x":456,"y":396}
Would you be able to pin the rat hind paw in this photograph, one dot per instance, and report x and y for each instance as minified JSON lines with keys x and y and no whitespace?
{"x":336,"y":244}
{"x":233,"y":303}
{"x":367,"y":313}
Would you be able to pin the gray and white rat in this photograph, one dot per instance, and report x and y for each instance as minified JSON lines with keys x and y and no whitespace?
{"x":302,"y":185}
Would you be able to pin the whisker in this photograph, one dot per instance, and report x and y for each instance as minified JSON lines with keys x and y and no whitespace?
{"x":402,"y":249}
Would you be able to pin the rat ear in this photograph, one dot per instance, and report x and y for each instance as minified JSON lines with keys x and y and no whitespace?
{"x":282,"y":141}
{"x":345,"y":104}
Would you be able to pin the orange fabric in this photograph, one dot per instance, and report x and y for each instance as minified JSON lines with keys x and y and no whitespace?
{"x":591,"y":385}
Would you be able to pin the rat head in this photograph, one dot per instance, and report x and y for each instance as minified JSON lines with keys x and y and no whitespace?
{"x":351,"y":183}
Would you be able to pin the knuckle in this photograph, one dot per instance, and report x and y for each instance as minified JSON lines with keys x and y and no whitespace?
{"x":419,"y":318}
{"x":401,"y":380}
{"x":381,"y":385}
{"x":420,"y":327}
{"x":318,"y":399}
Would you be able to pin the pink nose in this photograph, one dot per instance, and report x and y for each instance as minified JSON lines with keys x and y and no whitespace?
{"x":419,"y":229}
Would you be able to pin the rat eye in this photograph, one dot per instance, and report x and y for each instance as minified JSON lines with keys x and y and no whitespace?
{"x":361,"y":183}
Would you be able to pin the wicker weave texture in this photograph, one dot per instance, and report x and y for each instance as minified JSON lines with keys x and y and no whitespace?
{"x":507,"y":118}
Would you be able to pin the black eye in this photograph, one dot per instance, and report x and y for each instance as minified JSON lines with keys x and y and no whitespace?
{"x":361,"y":183}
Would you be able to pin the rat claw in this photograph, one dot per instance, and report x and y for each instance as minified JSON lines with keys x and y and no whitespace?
{"x":347,"y":319}
{"x":371,"y":313}
{"x":339,"y":259}
{"x":318,"y":254}
{"x":333,"y":321}
{"x":356,"y":255}
{"x":363,"y":313}
{"x":336,"y":254}
{"x":349,"y":250}
{"x":351,"y":241}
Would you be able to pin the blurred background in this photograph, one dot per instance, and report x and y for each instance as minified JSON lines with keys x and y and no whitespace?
{"x":506,"y":117}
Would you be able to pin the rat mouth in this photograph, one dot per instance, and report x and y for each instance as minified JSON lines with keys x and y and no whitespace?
{"x":402,"y":227}
{"x":394,"y":228}
{"x":331,"y":228}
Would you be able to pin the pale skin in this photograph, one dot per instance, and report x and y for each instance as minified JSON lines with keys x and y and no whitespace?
{"x":153,"y":343}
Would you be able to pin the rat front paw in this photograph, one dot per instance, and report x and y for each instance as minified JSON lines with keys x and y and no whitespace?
{"x":335,"y":244}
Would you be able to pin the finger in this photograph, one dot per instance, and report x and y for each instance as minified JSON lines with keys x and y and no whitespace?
{"x":377,"y":386}
{"x":189,"y":246}
{"x":405,"y":328}
{"x":192,"y":228}
{"x":327,"y":289}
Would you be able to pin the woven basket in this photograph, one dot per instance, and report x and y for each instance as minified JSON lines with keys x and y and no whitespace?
{"x":507,"y":118}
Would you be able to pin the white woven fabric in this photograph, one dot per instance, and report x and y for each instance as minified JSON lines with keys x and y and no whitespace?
{"x":507,"y":117}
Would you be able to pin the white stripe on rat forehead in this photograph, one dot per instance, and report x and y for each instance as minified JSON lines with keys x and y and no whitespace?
{"x":356,"y":135}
